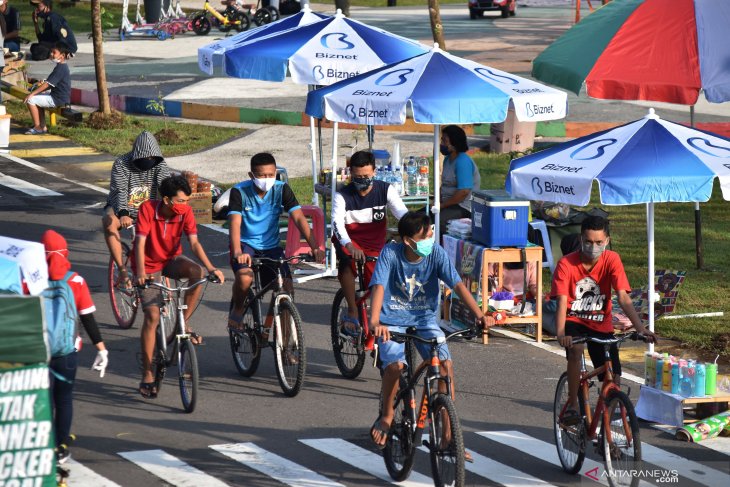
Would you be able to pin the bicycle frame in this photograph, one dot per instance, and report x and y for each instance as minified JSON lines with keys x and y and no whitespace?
{"x":221,"y":18}
{"x":361,"y":298}
{"x":276,"y":286}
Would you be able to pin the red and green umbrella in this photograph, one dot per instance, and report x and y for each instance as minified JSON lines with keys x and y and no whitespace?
{"x":654,"y":50}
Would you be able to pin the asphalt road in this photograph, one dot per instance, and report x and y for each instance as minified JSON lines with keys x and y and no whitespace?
{"x":504,"y":391}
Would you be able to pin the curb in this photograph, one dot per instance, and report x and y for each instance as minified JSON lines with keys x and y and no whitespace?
{"x":200,"y":111}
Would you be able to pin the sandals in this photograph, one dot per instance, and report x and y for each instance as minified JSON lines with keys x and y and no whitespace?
{"x":148,"y":390}
{"x":34,"y":131}
{"x":350,"y":326}
{"x":571,"y":417}
{"x":124,"y":282}
{"x":195,"y":339}
{"x":377,"y":427}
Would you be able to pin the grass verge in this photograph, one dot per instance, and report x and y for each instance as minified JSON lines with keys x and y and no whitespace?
{"x":118,"y":141}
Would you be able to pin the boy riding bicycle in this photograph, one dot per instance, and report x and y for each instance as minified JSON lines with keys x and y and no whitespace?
{"x":405,"y":290}
{"x":360,"y":223}
{"x":253,"y":218}
{"x":157,"y":252}
{"x":135,"y":177}
{"x":582,"y":287}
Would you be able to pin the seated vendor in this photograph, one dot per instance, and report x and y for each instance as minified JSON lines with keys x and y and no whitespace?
{"x":513,"y":278}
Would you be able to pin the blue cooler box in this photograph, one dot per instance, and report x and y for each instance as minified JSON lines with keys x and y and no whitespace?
{"x":498,"y":219}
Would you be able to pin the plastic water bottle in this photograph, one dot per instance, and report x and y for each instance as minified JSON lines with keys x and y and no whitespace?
{"x":422,"y":189}
{"x":667,"y":375}
{"x":710,"y":378}
{"x":649,"y":369}
{"x":658,"y":372}
{"x":686,"y":385}
{"x":699,"y":380}
{"x":675,"y":378}
{"x":412,"y":176}
{"x":398,"y":178}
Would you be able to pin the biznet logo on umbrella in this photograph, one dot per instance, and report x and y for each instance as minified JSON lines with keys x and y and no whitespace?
{"x":334,"y":41}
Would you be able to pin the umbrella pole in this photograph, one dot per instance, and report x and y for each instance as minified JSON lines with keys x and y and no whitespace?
{"x":650,"y":240}
{"x":333,"y":261}
{"x":436,"y":182}
{"x":313,"y":151}
{"x":699,"y":248}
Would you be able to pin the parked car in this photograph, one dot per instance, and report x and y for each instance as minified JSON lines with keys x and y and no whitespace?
{"x":478,"y":7}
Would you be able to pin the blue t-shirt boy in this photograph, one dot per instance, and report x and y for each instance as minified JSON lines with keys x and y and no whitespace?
{"x":411,"y":289}
{"x":260,"y":215}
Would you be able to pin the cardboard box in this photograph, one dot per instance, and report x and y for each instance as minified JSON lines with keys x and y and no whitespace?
{"x":498,"y":220}
{"x":511,"y":135}
{"x":202,"y":205}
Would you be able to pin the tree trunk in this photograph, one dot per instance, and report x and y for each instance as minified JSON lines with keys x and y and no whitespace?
{"x":97,"y":34}
{"x":434,"y":11}
{"x":343,"y":5}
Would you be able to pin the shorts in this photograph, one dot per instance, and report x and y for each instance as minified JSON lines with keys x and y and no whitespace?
{"x":268,"y":269}
{"x":152,"y":296}
{"x":391,"y":352}
{"x":344,"y":260}
{"x":595,"y":350}
{"x":42,"y":101}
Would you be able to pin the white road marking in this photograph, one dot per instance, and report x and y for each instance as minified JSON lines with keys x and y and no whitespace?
{"x":171,"y":469}
{"x":29,"y":164}
{"x":276,"y":467}
{"x":82,"y":476}
{"x":26,"y":187}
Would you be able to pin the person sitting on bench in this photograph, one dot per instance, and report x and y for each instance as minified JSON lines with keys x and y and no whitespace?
{"x":59,"y":81}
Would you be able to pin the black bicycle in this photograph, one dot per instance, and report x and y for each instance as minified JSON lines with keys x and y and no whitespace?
{"x":287,"y":339}
{"x":173,"y":345}
{"x":445,"y":442}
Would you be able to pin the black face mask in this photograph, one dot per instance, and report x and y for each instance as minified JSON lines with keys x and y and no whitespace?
{"x":444,"y":150}
{"x":361,"y":184}
{"x":145,"y":163}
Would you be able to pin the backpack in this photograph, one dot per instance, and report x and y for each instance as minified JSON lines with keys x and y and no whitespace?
{"x":61,"y":315}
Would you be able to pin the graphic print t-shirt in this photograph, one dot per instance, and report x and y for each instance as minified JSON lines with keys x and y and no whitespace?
{"x":589,"y":293}
{"x":411,"y":288}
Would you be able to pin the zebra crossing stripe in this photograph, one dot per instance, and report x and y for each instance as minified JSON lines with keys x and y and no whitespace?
{"x":26,"y":187}
{"x":686,"y":468}
{"x":362,"y":459}
{"x":499,"y":472}
{"x":81,"y":476}
{"x":276,"y":467}
{"x":171,"y":469}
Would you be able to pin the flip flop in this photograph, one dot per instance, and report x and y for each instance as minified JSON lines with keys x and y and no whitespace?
{"x":195,"y":339}
{"x":571,"y":417}
{"x":377,"y":427}
{"x":354,"y":328}
{"x":148,"y":390}
{"x":234,"y":322}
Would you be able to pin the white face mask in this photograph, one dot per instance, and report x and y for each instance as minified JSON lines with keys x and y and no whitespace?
{"x":264,"y":184}
{"x":54,"y":60}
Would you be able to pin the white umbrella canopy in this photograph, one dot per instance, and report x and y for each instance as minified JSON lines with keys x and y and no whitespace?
{"x":643,"y":162}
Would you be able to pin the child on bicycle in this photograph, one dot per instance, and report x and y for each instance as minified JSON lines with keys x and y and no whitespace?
{"x":158,"y":252}
{"x":360,"y":223}
{"x":405,"y":290}
{"x":253,"y":217}
{"x":582,"y":287}
{"x":135,"y":177}
{"x":63,"y":367}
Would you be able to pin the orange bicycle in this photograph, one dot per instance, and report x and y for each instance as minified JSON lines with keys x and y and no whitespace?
{"x":618,"y":440}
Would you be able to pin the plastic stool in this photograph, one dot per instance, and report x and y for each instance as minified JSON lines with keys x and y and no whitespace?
{"x":540,"y":226}
{"x":294,"y":243}
{"x":281,"y":174}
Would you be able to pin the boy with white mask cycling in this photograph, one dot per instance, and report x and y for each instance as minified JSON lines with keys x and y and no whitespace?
{"x":253,"y":218}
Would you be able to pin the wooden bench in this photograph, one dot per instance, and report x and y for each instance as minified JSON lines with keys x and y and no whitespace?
{"x":66,"y":112}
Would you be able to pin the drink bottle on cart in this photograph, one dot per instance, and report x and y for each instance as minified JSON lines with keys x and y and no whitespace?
{"x":412,"y":176}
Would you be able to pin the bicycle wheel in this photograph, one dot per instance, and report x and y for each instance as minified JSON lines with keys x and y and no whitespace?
{"x":245,"y":344}
{"x":242,"y":21}
{"x":261,"y":17}
{"x":291,"y":357}
{"x":622,"y":452}
{"x":569,"y":440}
{"x":159,"y":362}
{"x":124,"y":301}
{"x":201,"y":25}
{"x":168,"y":316}
{"x":349,"y":351}
{"x":447,"y":444}
{"x":188,"y":370}
{"x":274,"y":13}
{"x":400,"y":449}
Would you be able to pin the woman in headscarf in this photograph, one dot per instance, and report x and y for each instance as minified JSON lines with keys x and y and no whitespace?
{"x":63,"y":368}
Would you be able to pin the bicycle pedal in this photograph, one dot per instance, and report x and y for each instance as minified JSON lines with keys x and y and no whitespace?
{"x":427,"y":444}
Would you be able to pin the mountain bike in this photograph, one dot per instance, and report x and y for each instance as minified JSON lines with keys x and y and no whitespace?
{"x":618,"y":439}
{"x":445,"y":442}
{"x":286,"y":339}
{"x":173,"y":345}
{"x":350,"y":350}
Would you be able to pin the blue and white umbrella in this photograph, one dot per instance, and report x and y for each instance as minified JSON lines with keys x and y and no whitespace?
{"x":320,"y":53}
{"x":211,"y":56}
{"x":440,"y":89}
{"x":647,"y":161}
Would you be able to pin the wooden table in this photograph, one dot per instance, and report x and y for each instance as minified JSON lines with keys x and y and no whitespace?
{"x":512,"y":254}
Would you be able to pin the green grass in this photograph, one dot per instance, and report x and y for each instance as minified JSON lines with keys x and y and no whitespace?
{"x":77,"y":15}
{"x":118,"y":141}
{"x":702,"y":291}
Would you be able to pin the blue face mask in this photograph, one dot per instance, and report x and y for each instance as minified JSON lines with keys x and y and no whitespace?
{"x":444,"y":149}
{"x":424,"y":247}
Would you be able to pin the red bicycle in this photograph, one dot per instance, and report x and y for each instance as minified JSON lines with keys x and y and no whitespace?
{"x":350,"y":349}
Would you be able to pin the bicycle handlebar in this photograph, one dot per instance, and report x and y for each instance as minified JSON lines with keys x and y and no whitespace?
{"x":150,"y":283}
{"x":634,"y":335}
{"x":473,"y":332}
{"x":282,"y":260}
